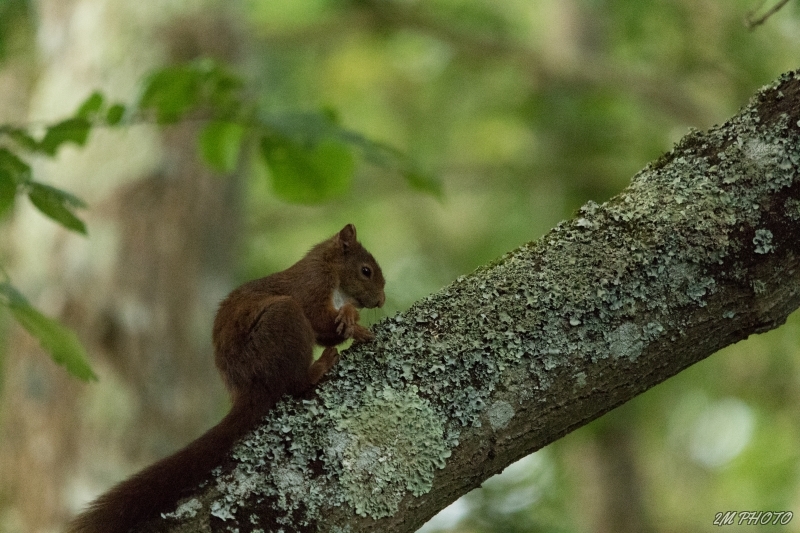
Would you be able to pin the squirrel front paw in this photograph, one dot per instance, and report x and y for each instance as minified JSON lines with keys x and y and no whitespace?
{"x":348,"y":327}
{"x":347,"y":321}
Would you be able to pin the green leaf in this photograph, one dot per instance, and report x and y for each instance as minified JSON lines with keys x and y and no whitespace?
{"x":13,"y":172}
{"x":114,"y":114}
{"x":74,"y":130}
{"x":390,"y":158}
{"x":57,"y":204}
{"x":60,"y":342}
{"x":424,"y":182}
{"x":222,"y":90}
{"x":308,"y":128}
{"x":8,"y":192}
{"x":16,"y":168}
{"x":21,"y":137}
{"x":307,"y":173}
{"x":220,"y":144}
{"x":174,"y":91}
{"x":91,"y":106}
{"x":171,"y":92}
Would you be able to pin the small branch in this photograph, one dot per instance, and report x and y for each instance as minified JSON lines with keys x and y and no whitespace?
{"x":751,"y":23}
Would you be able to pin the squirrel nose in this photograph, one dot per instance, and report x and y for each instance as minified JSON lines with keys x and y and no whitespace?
{"x":381,"y":299}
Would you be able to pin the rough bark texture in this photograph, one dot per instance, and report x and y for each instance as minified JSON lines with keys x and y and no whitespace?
{"x":699,"y":252}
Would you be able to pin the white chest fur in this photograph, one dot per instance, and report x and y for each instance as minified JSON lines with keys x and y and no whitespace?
{"x":339,"y":299}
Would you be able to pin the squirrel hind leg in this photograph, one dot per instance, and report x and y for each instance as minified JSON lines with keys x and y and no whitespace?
{"x":273,"y":356}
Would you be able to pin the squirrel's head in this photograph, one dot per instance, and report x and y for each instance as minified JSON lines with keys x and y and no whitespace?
{"x":360,"y":278}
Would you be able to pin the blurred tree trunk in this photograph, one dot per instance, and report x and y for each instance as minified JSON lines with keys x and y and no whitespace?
{"x":140,"y":291}
{"x":620,"y":486}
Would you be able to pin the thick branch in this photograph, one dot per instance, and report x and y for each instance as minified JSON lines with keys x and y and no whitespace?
{"x":699,"y":252}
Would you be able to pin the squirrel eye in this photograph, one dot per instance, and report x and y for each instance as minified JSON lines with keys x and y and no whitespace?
{"x":366,"y":271}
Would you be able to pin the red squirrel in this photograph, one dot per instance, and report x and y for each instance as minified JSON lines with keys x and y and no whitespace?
{"x":264,"y":335}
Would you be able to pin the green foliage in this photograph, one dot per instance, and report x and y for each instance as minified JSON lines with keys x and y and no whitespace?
{"x":12,"y":172}
{"x":173,"y":92}
{"x":74,"y":130}
{"x":57,"y":205}
{"x":21,"y":137}
{"x":8,"y":191}
{"x":61,"y":343}
{"x":307,"y":173}
{"x":16,"y":168}
{"x":115,"y":114}
{"x":384,"y":156}
{"x":91,"y":107}
{"x":220,"y":143}
{"x":14,"y":18}
{"x":15,"y":177}
{"x":309,"y":158}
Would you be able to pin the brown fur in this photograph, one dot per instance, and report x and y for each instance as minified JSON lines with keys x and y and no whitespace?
{"x":264,"y":334}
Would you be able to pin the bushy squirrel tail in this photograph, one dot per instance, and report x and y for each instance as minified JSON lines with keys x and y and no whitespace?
{"x":157,"y":488}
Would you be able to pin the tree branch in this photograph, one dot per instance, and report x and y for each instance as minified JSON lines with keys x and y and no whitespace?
{"x":752,"y":22}
{"x":699,"y":252}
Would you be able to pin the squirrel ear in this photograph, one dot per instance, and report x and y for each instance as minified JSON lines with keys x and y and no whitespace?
{"x":348,"y":235}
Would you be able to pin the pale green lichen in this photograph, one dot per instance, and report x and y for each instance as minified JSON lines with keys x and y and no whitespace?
{"x":626,"y":341}
{"x":234,"y":488}
{"x":763,"y":241}
{"x":222,"y":510}
{"x":499,"y":414}
{"x":759,"y":287}
{"x":393,"y":445}
{"x":188,"y":508}
{"x":792,"y":206}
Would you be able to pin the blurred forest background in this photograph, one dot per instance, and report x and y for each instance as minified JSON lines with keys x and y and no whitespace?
{"x":522,"y":109}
